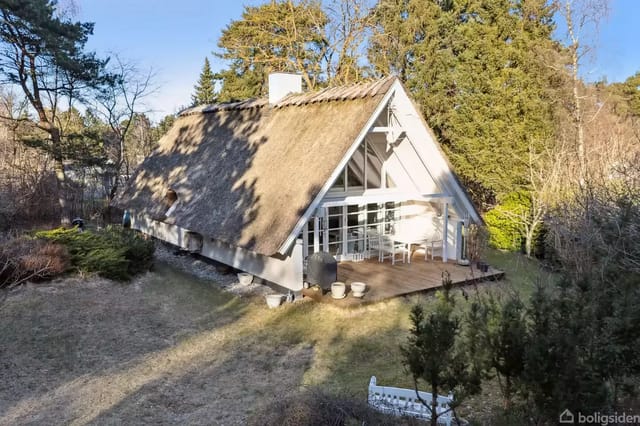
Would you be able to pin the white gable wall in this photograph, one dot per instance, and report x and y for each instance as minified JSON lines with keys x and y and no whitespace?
{"x":405,"y":157}
{"x":427,"y":152}
{"x":414,"y":162}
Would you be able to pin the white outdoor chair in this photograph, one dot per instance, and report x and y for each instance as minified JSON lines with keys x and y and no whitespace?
{"x":431,"y":247}
{"x":372,"y":242}
{"x":390,"y":248}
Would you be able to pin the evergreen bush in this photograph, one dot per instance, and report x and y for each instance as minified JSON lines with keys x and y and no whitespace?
{"x":502,"y":222}
{"x":113,"y":253}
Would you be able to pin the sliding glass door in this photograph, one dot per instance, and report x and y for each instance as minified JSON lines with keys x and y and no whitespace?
{"x":342,"y":230}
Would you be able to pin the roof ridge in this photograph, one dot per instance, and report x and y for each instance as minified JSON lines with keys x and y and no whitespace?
{"x":358,"y":90}
{"x":352,"y":91}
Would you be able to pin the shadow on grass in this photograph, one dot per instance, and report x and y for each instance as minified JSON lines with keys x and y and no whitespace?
{"x":58,"y":338}
{"x":173,"y":349}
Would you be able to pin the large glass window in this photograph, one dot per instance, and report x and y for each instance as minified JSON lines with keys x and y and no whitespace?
{"x":344,"y":231}
{"x":334,"y":230}
{"x":355,"y":229}
{"x":374,"y":169}
{"x":365,"y":162}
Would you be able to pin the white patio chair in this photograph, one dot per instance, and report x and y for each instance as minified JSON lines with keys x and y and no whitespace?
{"x":431,"y":247}
{"x":373,"y":242}
{"x":390,"y":248}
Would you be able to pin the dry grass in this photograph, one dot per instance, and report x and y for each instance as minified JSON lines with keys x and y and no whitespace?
{"x":169,"y":348}
{"x":24,"y":259}
{"x":314,"y":407}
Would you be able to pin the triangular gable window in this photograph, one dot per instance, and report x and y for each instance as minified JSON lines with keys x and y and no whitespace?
{"x":353,"y":175}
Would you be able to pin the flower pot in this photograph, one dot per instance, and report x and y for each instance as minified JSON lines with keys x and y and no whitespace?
{"x":358,"y":288}
{"x":273,"y":300}
{"x":483,"y":267}
{"x":244,"y":278}
{"x":338,"y":290}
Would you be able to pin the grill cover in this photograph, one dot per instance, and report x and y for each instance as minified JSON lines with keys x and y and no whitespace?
{"x":322,"y":269}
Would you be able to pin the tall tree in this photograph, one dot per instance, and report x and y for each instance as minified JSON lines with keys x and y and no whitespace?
{"x":205,"y":92}
{"x":582,"y":18}
{"x":163,"y":127}
{"x":473,"y":66}
{"x":140,"y":142}
{"x":348,"y":28}
{"x":485,"y":75}
{"x":281,"y":35}
{"x":45,"y":56}
{"x":117,"y":104}
{"x":435,"y":353}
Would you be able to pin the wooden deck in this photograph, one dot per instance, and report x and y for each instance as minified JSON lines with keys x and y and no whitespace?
{"x":385,"y":280}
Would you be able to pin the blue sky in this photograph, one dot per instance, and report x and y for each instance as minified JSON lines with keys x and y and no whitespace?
{"x":174,"y":36}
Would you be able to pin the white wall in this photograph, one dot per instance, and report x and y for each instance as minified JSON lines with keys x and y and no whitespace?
{"x":285,"y":271}
{"x":426,"y":148}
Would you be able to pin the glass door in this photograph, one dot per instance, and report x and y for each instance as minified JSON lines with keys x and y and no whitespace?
{"x":335,"y":234}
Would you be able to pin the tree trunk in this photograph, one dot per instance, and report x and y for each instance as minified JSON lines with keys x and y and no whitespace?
{"x":61,"y":181}
{"x":577,"y":101}
{"x":434,"y":406}
{"x":528,"y":243}
{"x":507,"y":394}
{"x":578,"y":118}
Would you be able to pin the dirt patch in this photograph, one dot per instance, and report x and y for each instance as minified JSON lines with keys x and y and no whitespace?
{"x":166,"y":348}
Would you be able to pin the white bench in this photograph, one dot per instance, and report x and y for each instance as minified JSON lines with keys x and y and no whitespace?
{"x":404,"y":402}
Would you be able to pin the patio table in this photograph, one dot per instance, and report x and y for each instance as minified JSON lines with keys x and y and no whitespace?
{"x":408,"y":241}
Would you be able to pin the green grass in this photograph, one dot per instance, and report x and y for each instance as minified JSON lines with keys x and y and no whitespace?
{"x":351,"y":345}
{"x":521,"y":273}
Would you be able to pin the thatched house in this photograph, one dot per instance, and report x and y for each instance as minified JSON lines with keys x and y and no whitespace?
{"x":261,"y":184}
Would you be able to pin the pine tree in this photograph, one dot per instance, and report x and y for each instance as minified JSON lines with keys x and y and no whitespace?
{"x":205,"y":89}
{"x":44,"y":55}
{"x":476,"y":68}
{"x":434,"y":353}
{"x":281,"y":35}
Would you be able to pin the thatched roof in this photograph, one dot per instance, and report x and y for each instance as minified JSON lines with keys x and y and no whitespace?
{"x":245,"y":172}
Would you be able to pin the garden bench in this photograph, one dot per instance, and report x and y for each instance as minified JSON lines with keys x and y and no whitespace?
{"x":404,"y":402}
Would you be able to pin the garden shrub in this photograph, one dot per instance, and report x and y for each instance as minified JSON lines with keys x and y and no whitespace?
{"x":23,"y":258}
{"x":108,"y":262}
{"x":113,"y":253}
{"x":505,"y":224}
{"x":313,"y":406}
{"x":138,"y":251}
{"x":504,"y":233}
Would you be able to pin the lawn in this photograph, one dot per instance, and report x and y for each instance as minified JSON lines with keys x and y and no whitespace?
{"x":168,"y":348}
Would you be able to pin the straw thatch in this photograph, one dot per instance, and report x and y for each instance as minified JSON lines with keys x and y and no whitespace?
{"x":244,"y":173}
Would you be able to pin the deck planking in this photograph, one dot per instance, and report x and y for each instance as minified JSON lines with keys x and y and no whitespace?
{"x":385,"y":281}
